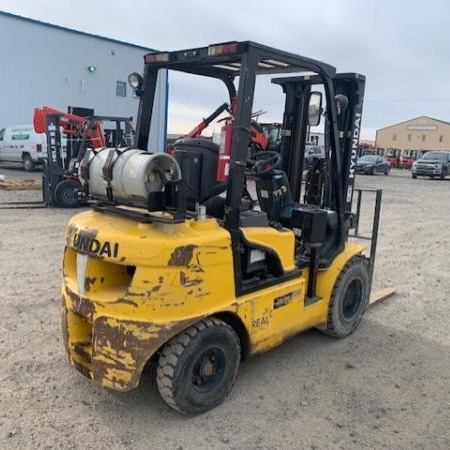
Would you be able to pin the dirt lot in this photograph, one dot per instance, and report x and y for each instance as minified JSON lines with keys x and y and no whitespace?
{"x":386,"y":386}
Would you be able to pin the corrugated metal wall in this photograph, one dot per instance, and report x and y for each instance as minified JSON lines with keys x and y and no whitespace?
{"x":41,"y":65}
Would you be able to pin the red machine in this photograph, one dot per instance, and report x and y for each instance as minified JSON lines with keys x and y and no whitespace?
{"x":258,"y":140}
{"x":257,"y":137}
{"x":60,"y":183}
{"x":73,"y":125}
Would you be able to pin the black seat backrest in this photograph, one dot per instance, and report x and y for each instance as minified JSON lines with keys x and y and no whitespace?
{"x":198,"y":159}
{"x":274,"y":194}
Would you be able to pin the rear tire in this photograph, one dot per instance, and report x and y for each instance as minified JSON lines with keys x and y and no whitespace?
{"x":66,"y":194}
{"x":349,"y":298}
{"x":28,"y":163}
{"x":197,"y":368}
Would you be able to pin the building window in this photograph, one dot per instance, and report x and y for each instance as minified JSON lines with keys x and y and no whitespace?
{"x":394,"y":137}
{"x":441,"y":138}
{"x":409,"y":137}
{"x":121,"y":89}
{"x":424,"y":136}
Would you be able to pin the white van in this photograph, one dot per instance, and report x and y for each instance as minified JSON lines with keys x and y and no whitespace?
{"x":21,"y":144}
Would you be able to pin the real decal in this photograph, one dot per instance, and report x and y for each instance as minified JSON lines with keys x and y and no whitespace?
{"x":260,"y":322}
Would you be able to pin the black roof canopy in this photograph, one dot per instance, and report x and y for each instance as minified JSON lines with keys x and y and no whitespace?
{"x":224,"y":60}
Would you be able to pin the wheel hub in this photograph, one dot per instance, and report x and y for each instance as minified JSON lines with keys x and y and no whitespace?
{"x":209,"y":369}
{"x":352,"y":299}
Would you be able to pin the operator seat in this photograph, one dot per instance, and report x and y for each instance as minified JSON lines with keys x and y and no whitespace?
{"x":318,"y":226}
{"x":198,"y":159}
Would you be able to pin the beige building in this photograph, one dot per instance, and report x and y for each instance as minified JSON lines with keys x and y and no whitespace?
{"x":421,"y":133}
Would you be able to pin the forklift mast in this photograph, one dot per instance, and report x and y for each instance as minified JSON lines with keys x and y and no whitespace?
{"x":352,"y":86}
{"x":349,"y":95}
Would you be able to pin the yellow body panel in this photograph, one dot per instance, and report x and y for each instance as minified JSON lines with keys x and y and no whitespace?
{"x":283,"y":241}
{"x":129,"y":287}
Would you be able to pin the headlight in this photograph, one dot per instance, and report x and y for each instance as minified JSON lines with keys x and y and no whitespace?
{"x":438,"y":166}
{"x":135,"y":80}
{"x":414,"y":164}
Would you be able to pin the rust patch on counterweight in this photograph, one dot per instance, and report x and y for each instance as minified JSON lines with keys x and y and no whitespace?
{"x":122,"y":348}
{"x":81,"y":306}
{"x":88,"y":282}
{"x":186,"y":281}
{"x":80,"y":349}
{"x":182,"y":256}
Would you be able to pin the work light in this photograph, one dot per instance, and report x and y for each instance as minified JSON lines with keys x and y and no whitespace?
{"x":135,"y":80}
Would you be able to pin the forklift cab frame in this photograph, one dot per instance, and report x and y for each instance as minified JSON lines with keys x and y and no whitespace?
{"x":247,"y":60}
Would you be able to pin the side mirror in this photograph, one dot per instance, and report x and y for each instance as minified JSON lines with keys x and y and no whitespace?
{"x":314,"y":108}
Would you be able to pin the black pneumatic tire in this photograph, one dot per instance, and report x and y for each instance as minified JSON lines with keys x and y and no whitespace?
{"x":197,"y":368}
{"x":349,"y":299}
{"x":66,"y":194}
{"x":28,"y":163}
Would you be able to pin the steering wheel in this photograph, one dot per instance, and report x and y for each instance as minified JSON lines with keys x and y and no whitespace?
{"x":262,"y":163}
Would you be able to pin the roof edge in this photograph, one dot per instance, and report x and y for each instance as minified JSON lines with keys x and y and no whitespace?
{"x":410,"y":120}
{"x":71,"y":30}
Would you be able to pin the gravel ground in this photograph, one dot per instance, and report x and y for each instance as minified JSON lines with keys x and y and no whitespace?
{"x":385,"y":387}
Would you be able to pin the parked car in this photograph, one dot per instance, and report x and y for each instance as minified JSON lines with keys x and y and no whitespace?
{"x":21,"y":144}
{"x":432,"y":164}
{"x":393,"y":161}
{"x":312,"y":152}
{"x":372,"y":164}
{"x":406,"y":162}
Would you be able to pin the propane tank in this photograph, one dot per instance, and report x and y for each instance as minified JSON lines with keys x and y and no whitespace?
{"x":226,"y":138}
{"x":130,"y":175}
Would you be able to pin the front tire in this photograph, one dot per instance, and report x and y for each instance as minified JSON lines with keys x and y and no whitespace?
{"x":197,"y":368}
{"x":387,"y":171}
{"x":28,"y":163}
{"x":349,"y":298}
{"x":66,"y":194}
{"x":414,"y":176}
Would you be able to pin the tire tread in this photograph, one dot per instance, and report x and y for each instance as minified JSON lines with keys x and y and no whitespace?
{"x":172,"y":352}
{"x":330,"y":330}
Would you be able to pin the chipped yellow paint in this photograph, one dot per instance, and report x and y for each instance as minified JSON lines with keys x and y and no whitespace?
{"x":120,"y":308}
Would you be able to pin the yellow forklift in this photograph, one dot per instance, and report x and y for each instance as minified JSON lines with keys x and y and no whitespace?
{"x":193,"y":261}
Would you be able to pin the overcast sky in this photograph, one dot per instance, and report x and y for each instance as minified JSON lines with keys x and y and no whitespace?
{"x":402,"y":46}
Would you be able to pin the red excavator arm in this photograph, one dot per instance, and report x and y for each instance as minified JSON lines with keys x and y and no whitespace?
{"x":258,"y":137}
{"x":197,"y":131}
{"x":72,"y":125}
